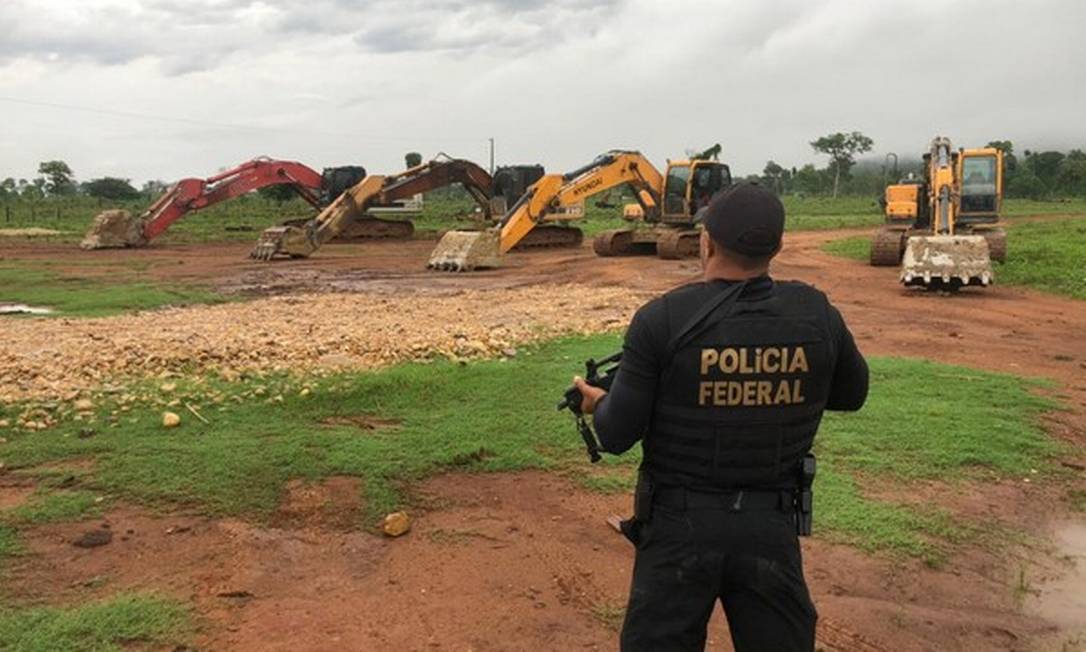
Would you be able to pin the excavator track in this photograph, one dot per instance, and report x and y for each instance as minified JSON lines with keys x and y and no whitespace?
{"x":549,"y":236}
{"x":674,"y":244}
{"x":616,"y":242}
{"x":997,"y":244}
{"x":887,"y":247}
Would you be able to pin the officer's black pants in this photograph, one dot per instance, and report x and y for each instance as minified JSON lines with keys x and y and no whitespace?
{"x":749,"y":560}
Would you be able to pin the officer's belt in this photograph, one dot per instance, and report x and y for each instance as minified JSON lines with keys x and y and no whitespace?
{"x":740,"y":500}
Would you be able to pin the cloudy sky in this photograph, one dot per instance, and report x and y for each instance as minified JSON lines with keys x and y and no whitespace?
{"x":170,"y":88}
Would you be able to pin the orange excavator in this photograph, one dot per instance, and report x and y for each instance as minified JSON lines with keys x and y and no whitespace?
{"x":119,"y":228}
{"x":301,"y":240}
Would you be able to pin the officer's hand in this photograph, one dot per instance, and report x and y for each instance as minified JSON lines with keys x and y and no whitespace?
{"x":591,"y":395}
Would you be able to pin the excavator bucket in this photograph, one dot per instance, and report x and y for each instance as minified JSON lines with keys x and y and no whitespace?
{"x":114,"y":229}
{"x":461,"y":251}
{"x":283,"y":241}
{"x":946,"y":262}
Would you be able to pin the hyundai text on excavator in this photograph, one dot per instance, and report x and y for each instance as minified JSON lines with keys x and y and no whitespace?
{"x":299,"y":241}
{"x":668,"y":205}
{"x":118,"y":228}
{"x":944,"y":229}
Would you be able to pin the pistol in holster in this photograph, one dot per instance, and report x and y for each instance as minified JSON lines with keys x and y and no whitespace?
{"x":804,"y":497}
{"x":643,"y":497}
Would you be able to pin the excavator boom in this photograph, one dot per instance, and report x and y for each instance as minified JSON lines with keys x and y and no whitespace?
{"x":120,"y":229}
{"x":465,"y":250}
{"x":374,"y":190}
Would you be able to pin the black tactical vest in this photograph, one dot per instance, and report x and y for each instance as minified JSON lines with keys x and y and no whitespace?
{"x":740,"y":403}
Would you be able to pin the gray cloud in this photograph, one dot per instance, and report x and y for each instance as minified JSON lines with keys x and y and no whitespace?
{"x":338,"y":81}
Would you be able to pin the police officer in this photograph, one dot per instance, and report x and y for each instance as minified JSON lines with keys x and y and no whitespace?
{"x":724,"y":382}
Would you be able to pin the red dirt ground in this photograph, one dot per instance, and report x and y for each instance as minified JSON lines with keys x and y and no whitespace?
{"x":511,"y":562}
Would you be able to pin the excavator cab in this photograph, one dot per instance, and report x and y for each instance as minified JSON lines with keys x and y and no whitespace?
{"x":334,"y":181}
{"x":981,"y":172}
{"x":689,"y":185}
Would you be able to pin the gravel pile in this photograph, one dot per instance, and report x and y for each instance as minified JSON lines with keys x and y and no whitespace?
{"x":58,"y":359}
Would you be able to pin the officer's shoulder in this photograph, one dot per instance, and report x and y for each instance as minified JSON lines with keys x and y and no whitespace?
{"x":800,"y":291}
{"x":660,"y":307}
{"x":682,"y":298}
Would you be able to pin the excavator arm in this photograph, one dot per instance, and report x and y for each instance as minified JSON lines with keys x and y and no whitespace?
{"x":463,"y":250}
{"x":374,"y":190}
{"x":193,"y":194}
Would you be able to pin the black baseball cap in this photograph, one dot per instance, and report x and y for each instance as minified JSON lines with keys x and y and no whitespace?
{"x":746,"y":218}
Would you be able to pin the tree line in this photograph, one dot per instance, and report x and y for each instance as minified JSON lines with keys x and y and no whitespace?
{"x":1033,"y":175}
{"x":56,"y":179}
{"x":1036,"y":175}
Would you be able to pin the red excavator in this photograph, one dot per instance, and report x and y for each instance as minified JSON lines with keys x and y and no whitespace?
{"x":118,"y":228}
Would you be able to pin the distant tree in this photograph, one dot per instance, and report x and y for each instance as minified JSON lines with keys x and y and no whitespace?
{"x":8,"y":188}
{"x":1046,"y":165}
{"x":773,"y":173}
{"x":808,"y":179}
{"x":842,"y":149}
{"x":110,"y":188}
{"x":412,"y":159}
{"x":33,"y":190}
{"x":279,"y":193}
{"x":58,"y":177}
{"x":1010,"y":161}
{"x":153,"y":188}
{"x":1071,"y":178}
{"x":1027,"y":184}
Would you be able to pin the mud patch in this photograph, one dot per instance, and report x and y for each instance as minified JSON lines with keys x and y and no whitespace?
{"x":14,"y":495}
{"x":333,"y":504}
{"x":367,"y":422}
{"x":1061,"y":598}
{"x":507,"y":562}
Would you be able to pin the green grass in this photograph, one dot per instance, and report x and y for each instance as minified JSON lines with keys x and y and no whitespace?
{"x":9,"y":542}
{"x":857,"y":247}
{"x":1048,"y":255}
{"x":74,"y":294}
{"x":242,"y":219}
{"x":121,"y":623}
{"x":1024,"y":207}
{"x":924,"y":421}
{"x":51,"y":507}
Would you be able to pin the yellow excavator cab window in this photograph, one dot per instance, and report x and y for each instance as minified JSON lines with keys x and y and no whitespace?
{"x":979,"y":184}
{"x":678,"y":176}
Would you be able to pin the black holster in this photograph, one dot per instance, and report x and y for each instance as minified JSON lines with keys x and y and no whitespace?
{"x":804,"y":498}
{"x":643,"y":496}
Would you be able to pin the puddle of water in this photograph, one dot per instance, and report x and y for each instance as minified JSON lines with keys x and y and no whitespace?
{"x":23,"y":309}
{"x":1063,"y":600}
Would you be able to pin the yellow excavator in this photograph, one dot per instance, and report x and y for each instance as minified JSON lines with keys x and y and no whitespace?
{"x":944,"y":229}
{"x":668,"y":204}
{"x":301,"y":240}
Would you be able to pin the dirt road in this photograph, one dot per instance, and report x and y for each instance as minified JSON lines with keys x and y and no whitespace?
{"x":509,"y":562}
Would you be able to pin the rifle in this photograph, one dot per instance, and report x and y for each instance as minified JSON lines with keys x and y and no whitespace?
{"x":598,"y":373}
